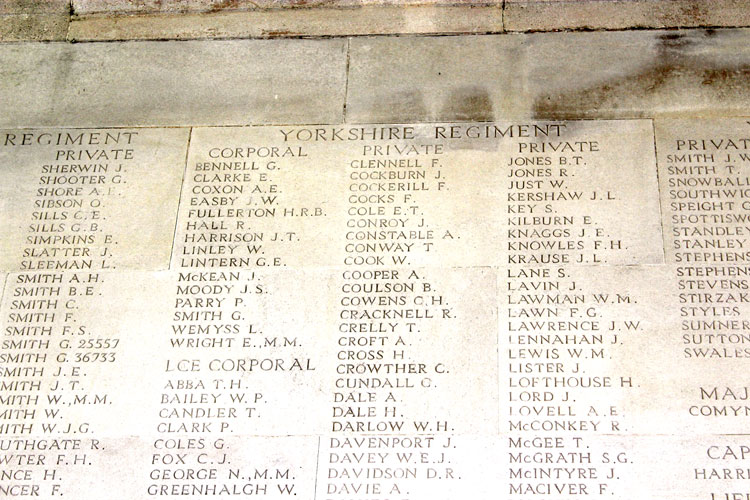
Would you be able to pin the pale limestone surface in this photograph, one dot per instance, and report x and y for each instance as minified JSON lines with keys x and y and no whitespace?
{"x":716,"y":152}
{"x":211,"y":19}
{"x":435,"y":79}
{"x":265,"y":23}
{"x":84,"y":7}
{"x":704,"y":175}
{"x":654,"y":73}
{"x":172,"y":83}
{"x":600,"y":194}
{"x":41,"y":27}
{"x":551,"y":15}
{"x":596,"y":75}
{"x":34,"y":20}
{"x":274,"y":184}
{"x":610,"y":196}
{"x":122,"y":196}
{"x":388,"y":79}
{"x":34,"y":6}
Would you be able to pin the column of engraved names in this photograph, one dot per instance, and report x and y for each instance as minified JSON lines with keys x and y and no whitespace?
{"x":229,"y":356}
{"x":382,"y":444}
{"x":708,"y":199}
{"x":704,"y":166}
{"x":563,"y":204}
{"x":51,"y":346}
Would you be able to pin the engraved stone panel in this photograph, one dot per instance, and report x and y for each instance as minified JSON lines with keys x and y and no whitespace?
{"x":392,"y":268}
{"x":89,"y":199}
{"x":358,"y":311}
{"x":703,"y":172}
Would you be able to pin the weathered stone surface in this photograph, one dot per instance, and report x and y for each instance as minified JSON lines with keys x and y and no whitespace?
{"x":510,"y":301}
{"x":28,"y":27}
{"x":175,"y":19}
{"x":435,"y":79}
{"x":172,"y":83}
{"x":155,"y":19}
{"x":603,"y":75}
{"x":550,"y":15}
{"x":367,"y":20}
{"x":34,"y":7}
{"x":655,"y":73}
{"x":83,"y":7}
{"x":31,"y":20}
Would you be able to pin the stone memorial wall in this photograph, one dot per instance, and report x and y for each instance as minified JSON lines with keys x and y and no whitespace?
{"x":233,"y":272}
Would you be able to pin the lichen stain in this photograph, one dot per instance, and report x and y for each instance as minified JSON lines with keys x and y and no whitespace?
{"x":469,"y":103}
{"x":678,"y":75}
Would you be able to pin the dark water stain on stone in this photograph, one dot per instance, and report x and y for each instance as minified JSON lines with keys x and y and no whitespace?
{"x":725,"y":81}
{"x":678,"y":75}
{"x":697,"y":12}
{"x":400,"y":106}
{"x":278,"y":33}
{"x":467,"y":104}
{"x":224,"y":5}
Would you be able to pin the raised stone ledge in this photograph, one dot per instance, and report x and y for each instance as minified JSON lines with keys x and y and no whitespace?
{"x":107,"y":7}
{"x":172,"y":83}
{"x":89,"y":20}
{"x":553,"y":15}
{"x":636,"y":74}
{"x":286,"y":23}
